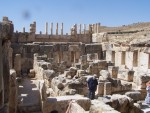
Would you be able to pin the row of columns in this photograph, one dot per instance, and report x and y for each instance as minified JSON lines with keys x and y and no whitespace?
{"x":51,"y":28}
{"x":92,"y":28}
{"x":75,"y":28}
{"x":96,"y":28}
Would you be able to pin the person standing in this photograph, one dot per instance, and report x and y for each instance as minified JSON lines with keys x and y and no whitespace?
{"x":147,"y":99}
{"x":92,"y":86}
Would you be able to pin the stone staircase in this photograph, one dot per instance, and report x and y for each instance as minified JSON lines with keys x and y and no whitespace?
{"x":29,"y":97}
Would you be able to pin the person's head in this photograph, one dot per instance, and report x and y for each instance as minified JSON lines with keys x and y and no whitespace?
{"x":94,"y":76}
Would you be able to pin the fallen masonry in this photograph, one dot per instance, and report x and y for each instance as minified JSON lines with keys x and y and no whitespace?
{"x":47,"y":73}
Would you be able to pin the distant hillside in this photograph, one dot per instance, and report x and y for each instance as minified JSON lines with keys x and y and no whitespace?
{"x":132,"y":27}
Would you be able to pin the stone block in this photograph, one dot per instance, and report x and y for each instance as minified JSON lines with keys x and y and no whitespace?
{"x":134,"y":95}
{"x":113,"y":71}
{"x":100,"y":89}
{"x":104,"y":75}
{"x":126,"y":75}
{"x":107,"y":88}
{"x":80,"y":73}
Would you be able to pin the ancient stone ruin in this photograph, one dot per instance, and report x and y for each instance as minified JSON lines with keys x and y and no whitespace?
{"x":47,"y":73}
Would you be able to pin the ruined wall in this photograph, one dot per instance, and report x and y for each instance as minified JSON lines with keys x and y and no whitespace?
{"x":6,"y":31}
{"x":59,"y":52}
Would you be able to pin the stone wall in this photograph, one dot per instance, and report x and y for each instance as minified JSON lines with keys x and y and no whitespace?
{"x":6,"y":31}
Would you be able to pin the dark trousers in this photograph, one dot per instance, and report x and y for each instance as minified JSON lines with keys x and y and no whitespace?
{"x":91,"y":94}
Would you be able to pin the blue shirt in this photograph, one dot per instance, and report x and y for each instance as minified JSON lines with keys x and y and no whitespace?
{"x":92,"y":84}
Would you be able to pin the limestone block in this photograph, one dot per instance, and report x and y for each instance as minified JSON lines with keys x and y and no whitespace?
{"x":101,"y":107}
{"x":72,"y":71}
{"x":17,"y":64}
{"x":80,"y":73}
{"x":104,"y":75}
{"x":107,"y":88}
{"x":100,"y":89}
{"x":134,"y":95}
{"x":31,"y":73}
{"x":61,"y":103}
{"x":13,"y":92}
{"x":126,"y":75}
{"x":113,"y":71}
{"x":121,"y":103}
{"x":130,"y":75}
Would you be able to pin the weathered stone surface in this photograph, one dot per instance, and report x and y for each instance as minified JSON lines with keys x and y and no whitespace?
{"x":100,"y":88}
{"x":13,"y":92}
{"x":107,"y":88}
{"x":134,"y":95}
{"x":61,"y":103}
{"x":101,"y":107}
{"x":80,"y":73}
{"x":126,"y":75}
{"x":6,"y":29}
{"x":113,"y":71}
{"x":105,"y":75}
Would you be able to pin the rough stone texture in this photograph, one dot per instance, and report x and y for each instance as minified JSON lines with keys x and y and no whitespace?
{"x":6,"y":31}
{"x":101,"y":107}
{"x":123,"y":104}
{"x":113,"y":71}
{"x":13,"y":92}
{"x":100,"y":89}
{"x":134,"y":95}
{"x":107,"y":88}
{"x":61,"y":103}
{"x":17,"y":64}
{"x":105,"y":75}
{"x":126,"y":75}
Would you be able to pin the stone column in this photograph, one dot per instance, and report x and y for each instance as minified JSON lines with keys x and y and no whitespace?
{"x":23,"y":29}
{"x":76,"y":29}
{"x":80,"y":28}
{"x":51,"y":28}
{"x":98,"y":29}
{"x":17,"y":64}
{"x":57,"y":29}
{"x":61,"y":28}
{"x":90,"y":28}
{"x":84,"y":28}
{"x":46,"y":28}
{"x":94,"y":28}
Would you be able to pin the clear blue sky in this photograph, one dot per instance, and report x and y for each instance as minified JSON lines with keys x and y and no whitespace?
{"x":107,"y":12}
